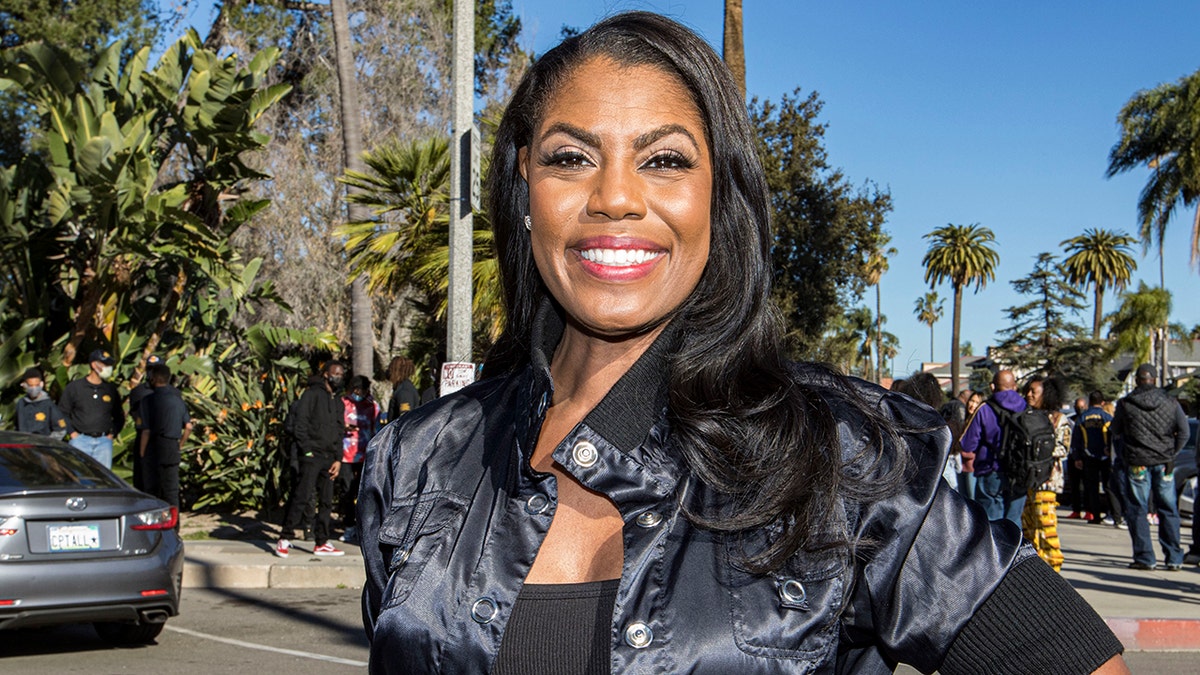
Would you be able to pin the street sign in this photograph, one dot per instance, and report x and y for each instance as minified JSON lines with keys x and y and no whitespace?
{"x":455,"y":376}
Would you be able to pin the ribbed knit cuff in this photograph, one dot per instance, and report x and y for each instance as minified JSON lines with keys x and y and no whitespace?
{"x":1034,"y":623}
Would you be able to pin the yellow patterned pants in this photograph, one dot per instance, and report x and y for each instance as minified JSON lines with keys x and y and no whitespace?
{"x":1039,"y":522}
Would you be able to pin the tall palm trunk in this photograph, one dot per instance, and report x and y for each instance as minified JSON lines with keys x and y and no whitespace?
{"x":931,"y":343}
{"x":734,"y":50}
{"x":1098,"y":312}
{"x":878,"y":336}
{"x":362,"y":332}
{"x":955,"y":358}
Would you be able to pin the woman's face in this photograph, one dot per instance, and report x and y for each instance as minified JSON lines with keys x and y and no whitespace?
{"x":973,"y":403}
{"x":620,"y":187}
{"x":1033,"y":395}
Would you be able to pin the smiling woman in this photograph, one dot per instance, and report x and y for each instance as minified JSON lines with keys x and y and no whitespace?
{"x":642,"y":482}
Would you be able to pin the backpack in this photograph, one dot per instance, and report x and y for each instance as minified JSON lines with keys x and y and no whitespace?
{"x":1026,"y":447}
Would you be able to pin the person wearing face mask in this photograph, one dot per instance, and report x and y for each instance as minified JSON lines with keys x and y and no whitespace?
{"x":362,"y":421}
{"x":320,"y":426}
{"x":36,"y":412}
{"x":93,"y":410}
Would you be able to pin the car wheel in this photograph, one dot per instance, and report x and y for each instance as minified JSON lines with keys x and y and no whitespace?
{"x":128,"y":633}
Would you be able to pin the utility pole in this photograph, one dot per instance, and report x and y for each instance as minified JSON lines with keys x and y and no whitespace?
{"x":459,"y":370}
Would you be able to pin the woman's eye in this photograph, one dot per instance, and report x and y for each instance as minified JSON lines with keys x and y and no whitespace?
{"x":568,"y":159}
{"x":669,"y":160}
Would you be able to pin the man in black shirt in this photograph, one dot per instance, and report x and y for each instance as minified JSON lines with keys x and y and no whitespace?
{"x":320,"y":427}
{"x":36,"y":412}
{"x":166,"y":425}
{"x":134,"y":400}
{"x":92,"y":407}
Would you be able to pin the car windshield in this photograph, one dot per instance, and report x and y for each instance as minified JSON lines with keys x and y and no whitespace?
{"x":24,"y":466}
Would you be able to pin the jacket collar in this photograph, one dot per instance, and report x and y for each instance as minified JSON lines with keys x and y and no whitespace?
{"x":626,"y":415}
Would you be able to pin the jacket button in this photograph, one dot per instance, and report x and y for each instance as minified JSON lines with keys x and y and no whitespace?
{"x":484,"y":610}
{"x":792,"y":591}
{"x":584,"y":454}
{"x":638,"y":635}
{"x":649,"y":519}
{"x":536,"y":504}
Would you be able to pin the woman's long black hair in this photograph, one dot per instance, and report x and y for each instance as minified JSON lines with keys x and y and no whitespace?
{"x":749,"y":423}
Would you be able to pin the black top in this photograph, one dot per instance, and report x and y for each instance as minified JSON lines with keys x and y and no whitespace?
{"x":136,"y":396}
{"x":40,"y":416}
{"x":92,"y":409}
{"x":164,"y":415}
{"x":559,"y":629}
{"x":320,"y":423}
{"x":404,"y":399}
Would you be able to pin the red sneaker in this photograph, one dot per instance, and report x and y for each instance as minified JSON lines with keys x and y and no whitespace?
{"x":282,"y":548}
{"x":327,"y":549}
{"x":1074,"y":515}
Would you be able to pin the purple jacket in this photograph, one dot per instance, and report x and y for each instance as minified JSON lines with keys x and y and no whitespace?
{"x":982,"y":436}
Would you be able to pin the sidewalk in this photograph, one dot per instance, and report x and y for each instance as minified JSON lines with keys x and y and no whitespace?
{"x":1156,"y":610}
{"x":1147,"y":610}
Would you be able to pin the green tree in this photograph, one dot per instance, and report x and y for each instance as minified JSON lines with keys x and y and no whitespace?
{"x":877,"y":266}
{"x":79,"y":29}
{"x":1142,"y":312}
{"x":402,"y":249}
{"x":929,"y":309}
{"x":1036,"y":327}
{"x":825,"y":230}
{"x":962,"y":255}
{"x":1100,"y":259}
{"x":1160,"y":130}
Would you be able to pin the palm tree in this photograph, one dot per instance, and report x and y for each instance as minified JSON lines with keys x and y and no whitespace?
{"x":1102,"y":259}
{"x":734,"y":50}
{"x":929,"y":310}
{"x":877,"y":266}
{"x":962,"y":255}
{"x":1160,"y":129}
{"x":1142,"y":312}
{"x":362,"y":330}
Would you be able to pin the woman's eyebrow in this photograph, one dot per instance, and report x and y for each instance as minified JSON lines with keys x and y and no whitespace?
{"x":643,"y":141}
{"x":581,"y":135}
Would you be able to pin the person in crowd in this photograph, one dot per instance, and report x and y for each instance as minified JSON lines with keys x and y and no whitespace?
{"x":36,"y":411}
{"x":404,"y":393}
{"x":292,"y":446}
{"x":1152,"y":428}
{"x":642,"y":482}
{"x":955,"y":410}
{"x":362,"y":423}
{"x":1081,"y":404}
{"x":1039,"y":520}
{"x":974,"y":401}
{"x":1091,"y":452}
{"x":166,"y":426}
{"x":92,"y":407}
{"x":134,"y":403}
{"x":924,"y":387}
{"x":320,"y":427}
{"x":982,"y":439}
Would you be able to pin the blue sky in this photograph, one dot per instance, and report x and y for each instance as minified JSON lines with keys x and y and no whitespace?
{"x":1001,"y":114}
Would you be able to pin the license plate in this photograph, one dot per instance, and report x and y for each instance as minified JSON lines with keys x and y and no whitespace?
{"x":74,"y":537}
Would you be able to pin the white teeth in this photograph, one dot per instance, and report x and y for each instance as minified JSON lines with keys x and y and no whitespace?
{"x":620,"y":257}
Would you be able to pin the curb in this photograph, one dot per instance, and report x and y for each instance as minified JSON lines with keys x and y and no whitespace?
{"x":1157,"y":634}
{"x":217,"y":564}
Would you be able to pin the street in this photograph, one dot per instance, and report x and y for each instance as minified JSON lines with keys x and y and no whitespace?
{"x":217,"y":632}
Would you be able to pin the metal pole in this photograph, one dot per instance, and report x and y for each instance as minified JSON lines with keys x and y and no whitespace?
{"x":458,"y":328}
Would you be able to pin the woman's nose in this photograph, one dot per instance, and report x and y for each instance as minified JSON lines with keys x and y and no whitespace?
{"x":617,"y":194}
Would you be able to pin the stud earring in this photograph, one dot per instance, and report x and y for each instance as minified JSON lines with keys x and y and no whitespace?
{"x":529,"y":223}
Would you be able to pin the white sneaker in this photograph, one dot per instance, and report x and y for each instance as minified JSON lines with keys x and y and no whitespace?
{"x":282,"y":548}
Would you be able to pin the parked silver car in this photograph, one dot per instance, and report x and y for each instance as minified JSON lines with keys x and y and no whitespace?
{"x":79,"y":545}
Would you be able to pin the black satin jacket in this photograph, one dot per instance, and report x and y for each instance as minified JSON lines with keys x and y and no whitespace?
{"x":452,"y":516}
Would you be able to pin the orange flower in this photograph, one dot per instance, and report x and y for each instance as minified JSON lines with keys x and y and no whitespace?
{"x":245,"y":406}
{"x":250,"y":444}
{"x":223,"y":415}
{"x":258,"y":405}
{"x":212,"y":438}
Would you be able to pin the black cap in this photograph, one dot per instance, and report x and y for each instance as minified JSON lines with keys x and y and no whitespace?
{"x":33,"y":372}
{"x":153,"y":360}
{"x":101,"y":356}
{"x":1146,"y":371}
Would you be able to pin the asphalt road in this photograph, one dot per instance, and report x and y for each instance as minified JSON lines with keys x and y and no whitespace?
{"x":271,"y":631}
{"x":242,"y":632}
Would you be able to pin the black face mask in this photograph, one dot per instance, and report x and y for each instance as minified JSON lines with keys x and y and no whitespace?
{"x":335,"y":383}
